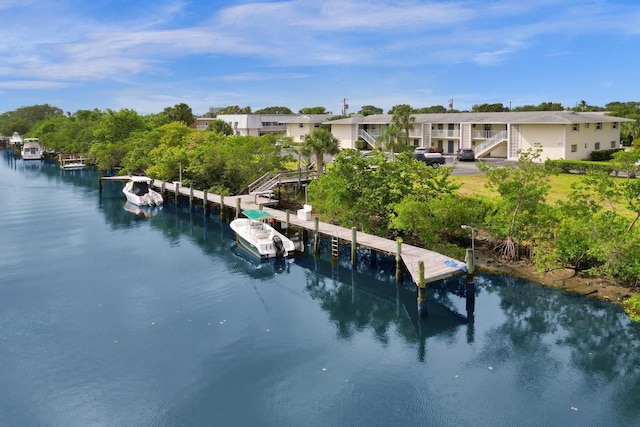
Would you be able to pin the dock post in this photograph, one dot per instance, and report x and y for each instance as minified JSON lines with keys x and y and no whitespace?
{"x":237,"y":207}
{"x":287,"y":221}
{"x":176,"y":187}
{"x":204,"y":200}
{"x":422,"y":291}
{"x":316,"y":236}
{"x":354,"y":246}
{"x":99,"y":180}
{"x":398,"y":260}
{"x":191,"y":196}
{"x":221,"y":205}
{"x":469,"y":259}
{"x":163,"y":189}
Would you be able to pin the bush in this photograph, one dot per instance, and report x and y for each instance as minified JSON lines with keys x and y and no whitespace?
{"x":580,"y":166}
{"x":604,"y":155}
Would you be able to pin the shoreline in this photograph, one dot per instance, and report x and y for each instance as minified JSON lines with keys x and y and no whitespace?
{"x":563,"y":279}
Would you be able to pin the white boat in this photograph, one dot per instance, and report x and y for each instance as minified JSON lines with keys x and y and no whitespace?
{"x":15,"y":139}
{"x":31,"y":149}
{"x":256,"y":235}
{"x":138,"y":191}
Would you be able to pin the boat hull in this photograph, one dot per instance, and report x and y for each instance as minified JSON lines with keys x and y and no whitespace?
{"x":258,"y":238}
{"x":148,"y":198}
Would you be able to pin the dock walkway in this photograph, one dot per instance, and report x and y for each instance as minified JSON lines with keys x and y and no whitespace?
{"x":436,"y":265}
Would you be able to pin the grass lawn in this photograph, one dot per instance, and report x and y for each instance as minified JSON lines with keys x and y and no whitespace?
{"x":474,"y":185}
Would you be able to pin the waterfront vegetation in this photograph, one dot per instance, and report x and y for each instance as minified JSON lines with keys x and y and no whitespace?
{"x":528,"y":211}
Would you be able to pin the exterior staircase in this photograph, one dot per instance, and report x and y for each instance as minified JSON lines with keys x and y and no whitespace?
{"x":264,"y":185}
{"x":489,"y":144}
{"x":367,"y":137}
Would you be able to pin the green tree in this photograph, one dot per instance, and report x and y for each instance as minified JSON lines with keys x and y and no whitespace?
{"x":180,"y":113}
{"x":627,"y":161}
{"x":489,"y":108}
{"x":401,"y":118}
{"x":368,"y":110}
{"x":221,"y":127}
{"x":363,"y":192}
{"x":313,"y":110}
{"x":23,"y":119}
{"x":110,"y":137}
{"x":389,"y":137}
{"x":434,"y":109}
{"x":234,"y":109}
{"x":274,"y":110}
{"x":521,"y":214}
{"x":320,"y":142}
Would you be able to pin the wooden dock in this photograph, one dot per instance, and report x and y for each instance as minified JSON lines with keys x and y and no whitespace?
{"x":436,"y":266}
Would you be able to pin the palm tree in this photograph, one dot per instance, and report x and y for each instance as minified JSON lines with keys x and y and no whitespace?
{"x":389,"y":137}
{"x":321,"y":142}
{"x":402,"y":118}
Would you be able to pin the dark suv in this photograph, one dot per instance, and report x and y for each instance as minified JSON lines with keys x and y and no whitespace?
{"x":466,"y":154}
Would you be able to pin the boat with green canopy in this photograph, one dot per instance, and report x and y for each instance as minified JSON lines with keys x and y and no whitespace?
{"x":256,"y":234}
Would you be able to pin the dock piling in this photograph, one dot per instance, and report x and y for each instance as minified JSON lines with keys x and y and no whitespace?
{"x":354,"y":246}
{"x":316,"y":236}
{"x":398,"y":260}
{"x":422,"y":290}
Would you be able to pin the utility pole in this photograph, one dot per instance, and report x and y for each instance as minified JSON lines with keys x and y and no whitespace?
{"x":345,"y":106}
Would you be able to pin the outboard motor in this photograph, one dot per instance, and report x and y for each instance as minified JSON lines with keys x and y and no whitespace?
{"x":277,"y":243}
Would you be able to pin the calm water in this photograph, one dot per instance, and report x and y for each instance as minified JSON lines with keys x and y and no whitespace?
{"x":111,"y":319}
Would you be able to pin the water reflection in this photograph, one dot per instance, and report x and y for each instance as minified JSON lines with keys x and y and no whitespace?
{"x":548,"y":349}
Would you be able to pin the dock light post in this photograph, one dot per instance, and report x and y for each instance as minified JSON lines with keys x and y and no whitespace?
{"x":473,"y":236}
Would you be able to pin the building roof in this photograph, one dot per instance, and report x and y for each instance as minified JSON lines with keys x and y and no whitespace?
{"x":525,"y":117}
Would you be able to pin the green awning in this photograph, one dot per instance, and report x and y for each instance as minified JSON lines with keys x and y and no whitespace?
{"x":257,"y":214}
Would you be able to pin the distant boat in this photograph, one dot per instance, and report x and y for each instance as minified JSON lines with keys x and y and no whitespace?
{"x":138,"y":191}
{"x":256,"y":235}
{"x":15,"y":139}
{"x":31,"y":149}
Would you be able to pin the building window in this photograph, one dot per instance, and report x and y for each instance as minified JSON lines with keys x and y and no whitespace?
{"x":300,"y":125}
{"x":614,"y":125}
{"x":596,"y":146}
{"x":613,"y":144}
{"x":317,"y":125}
{"x":599,"y":126}
{"x":574,"y":148}
{"x":576,"y":127}
{"x":586,"y":125}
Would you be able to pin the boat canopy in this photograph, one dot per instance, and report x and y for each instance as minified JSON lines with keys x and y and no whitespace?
{"x":257,"y":214}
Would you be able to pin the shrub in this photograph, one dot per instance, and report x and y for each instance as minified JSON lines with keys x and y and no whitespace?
{"x":604,"y":155}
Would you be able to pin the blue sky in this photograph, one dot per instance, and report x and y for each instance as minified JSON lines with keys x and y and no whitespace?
{"x":148,"y":55}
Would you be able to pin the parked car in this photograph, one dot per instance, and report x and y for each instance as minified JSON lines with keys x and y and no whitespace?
{"x":466,"y":154}
{"x":420,"y":150}
{"x":431,"y":159}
